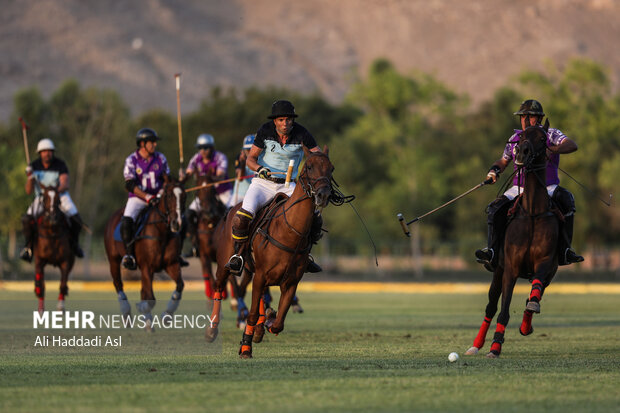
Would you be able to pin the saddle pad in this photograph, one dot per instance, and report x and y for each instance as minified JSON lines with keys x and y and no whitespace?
{"x":140,"y":225}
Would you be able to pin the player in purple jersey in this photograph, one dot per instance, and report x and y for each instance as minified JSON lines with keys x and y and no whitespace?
{"x":49,"y":170}
{"x":531,"y":114}
{"x":144,"y":173}
{"x":206,"y":162}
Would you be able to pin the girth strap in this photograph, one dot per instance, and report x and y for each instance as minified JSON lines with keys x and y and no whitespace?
{"x":280,"y":245}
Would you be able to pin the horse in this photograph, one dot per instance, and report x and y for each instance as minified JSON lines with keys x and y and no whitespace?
{"x":279,"y":246}
{"x":52,"y":246}
{"x":157,"y":248}
{"x":530,"y":244}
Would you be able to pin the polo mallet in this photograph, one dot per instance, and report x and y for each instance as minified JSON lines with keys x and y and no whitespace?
{"x":289,"y":173}
{"x":25,"y":136}
{"x":405,"y":225}
{"x":177,"y":76}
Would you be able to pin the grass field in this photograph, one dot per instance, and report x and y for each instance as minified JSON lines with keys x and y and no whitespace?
{"x":347,"y":352}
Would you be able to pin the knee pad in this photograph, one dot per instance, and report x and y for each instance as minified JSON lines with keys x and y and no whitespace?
{"x":241,"y":225}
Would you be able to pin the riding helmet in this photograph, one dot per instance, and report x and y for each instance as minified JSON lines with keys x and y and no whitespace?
{"x":205,"y":141}
{"x":282,"y":108}
{"x":45,"y":145}
{"x":530,"y":107}
{"x":248,"y":141}
{"x":146,"y":134}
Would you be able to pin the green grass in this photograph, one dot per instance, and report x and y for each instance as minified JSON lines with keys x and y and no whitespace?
{"x":351,"y":352}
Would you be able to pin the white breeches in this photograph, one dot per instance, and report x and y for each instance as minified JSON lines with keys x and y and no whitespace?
{"x":516,"y":190}
{"x":261,"y":191}
{"x":133,"y":207}
{"x":66,"y":205}
{"x":224,"y":198}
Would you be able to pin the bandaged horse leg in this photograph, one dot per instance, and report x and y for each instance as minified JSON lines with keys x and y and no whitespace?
{"x":214,"y":320}
{"x":258,"y":286}
{"x":144,"y":307}
{"x":260,"y":324}
{"x":508,"y":283}
{"x":39,"y":289}
{"x":173,"y":304}
{"x":64,"y":288}
{"x":494,"y":293}
{"x":533,"y":302}
{"x":208,"y":286}
{"x":124,"y":304}
{"x":526,"y":324}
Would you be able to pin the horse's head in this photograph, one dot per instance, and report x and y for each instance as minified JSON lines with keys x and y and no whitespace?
{"x":316,"y":177}
{"x":207,"y":196}
{"x":532,"y":146}
{"x":172,"y":203}
{"x":51,"y":204}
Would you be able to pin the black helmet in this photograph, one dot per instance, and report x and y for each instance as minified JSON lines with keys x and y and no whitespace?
{"x":530,"y":107}
{"x":146,"y":134}
{"x":282,"y":108}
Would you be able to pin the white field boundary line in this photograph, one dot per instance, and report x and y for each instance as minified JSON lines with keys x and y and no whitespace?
{"x":331,"y":287}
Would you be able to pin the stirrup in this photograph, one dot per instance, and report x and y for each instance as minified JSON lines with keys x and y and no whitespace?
{"x":485,"y":257}
{"x":26,"y":254}
{"x":129,"y":262}
{"x":235,"y":264}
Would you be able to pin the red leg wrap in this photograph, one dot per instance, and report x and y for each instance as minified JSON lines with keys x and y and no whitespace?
{"x":537,"y":288}
{"x":61,"y":297}
{"x":526,"y":324}
{"x":208,"y":288}
{"x":482,"y":333}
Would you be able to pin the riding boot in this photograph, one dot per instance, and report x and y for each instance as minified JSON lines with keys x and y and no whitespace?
{"x":496,"y":221}
{"x":28,"y":230}
{"x":567,"y":254}
{"x":127,"y":234}
{"x":192,"y":224}
{"x":75,"y":227}
{"x":316,"y":233}
{"x":240,"y":234}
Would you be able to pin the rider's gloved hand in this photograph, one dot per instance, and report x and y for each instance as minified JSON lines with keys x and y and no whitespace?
{"x":28,"y":170}
{"x":182,"y":174}
{"x":263,"y":172}
{"x":150,"y":199}
{"x":492,"y":175}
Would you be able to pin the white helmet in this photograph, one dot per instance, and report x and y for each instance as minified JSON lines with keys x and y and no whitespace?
{"x":204,"y":140}
{"x":45,"y":145}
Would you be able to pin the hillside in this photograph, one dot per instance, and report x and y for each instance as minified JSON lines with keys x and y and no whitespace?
{"x":135,"y":47}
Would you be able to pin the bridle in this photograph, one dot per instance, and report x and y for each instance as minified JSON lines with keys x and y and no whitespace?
{"x":309,"y":185}
{"x":166,"y":214}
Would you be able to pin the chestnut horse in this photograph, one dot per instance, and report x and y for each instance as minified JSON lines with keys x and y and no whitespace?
{"x":279,"y":246}
{"x":157,"y":247}
{"x":52,"y":246}
{"x":530,"y":244}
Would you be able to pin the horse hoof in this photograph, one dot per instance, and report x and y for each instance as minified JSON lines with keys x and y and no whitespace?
{"x":297,"y":309}
{"x":259,"y":333}
{"x":472,"y":351}
{"x":270,"y":313}
{"x":61,"y":305}
{"x":492,"y":355}
{"x":149,"y":327}
{"x":210,"y":334}
{"x":246,"y":355}
{"x":533,"y":306}
{"x":528,"y":333}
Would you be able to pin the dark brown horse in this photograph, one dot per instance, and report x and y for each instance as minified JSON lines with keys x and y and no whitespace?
{"x":530,"y":244}
{"x":211,"y":212}
{"x":52,"y":246}
{"x":157,"y":247}
{"x":279,"y":246}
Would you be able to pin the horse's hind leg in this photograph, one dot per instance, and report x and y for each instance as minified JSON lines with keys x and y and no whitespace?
{"x":64,"y":288}
{"x":286,"y":298}
{"x":495,"y":291}
{"x":214,"y":320}
{"x":148,"y":298}
{"x":173,"y":304}
{"x":117,"y":280}
{"x":258,"y":286}
{"x":504,"y":315}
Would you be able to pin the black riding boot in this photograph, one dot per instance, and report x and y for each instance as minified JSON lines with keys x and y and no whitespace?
{"x":28,"y":228}
{"x":75,"y":228}
{"x":240,"y":234}
{"x":192,"y":225}
{"x":316,"y":233}
{"x":496,"y":221}
{"x":567,"y":254}
{"x":127,"y":234}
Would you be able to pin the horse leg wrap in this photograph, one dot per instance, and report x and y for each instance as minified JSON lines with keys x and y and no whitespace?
{"x":498,"y":339}
{"x":145,"y":306}
{"x":482,"y":333}
{"x":536,"y":293}
{"x":246,"y":341}
{"x":64,"y":291}
{"x":526,"y":324}
{"x":208,"y":288}
{"x":124,"y":303}
{"x":39,"y":286}
{"x":173,"y":304}
{"x":261,"y":312}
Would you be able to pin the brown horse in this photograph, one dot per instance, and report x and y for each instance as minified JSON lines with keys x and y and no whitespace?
{"x":157,"y":247}
{"x":52,"y":246}
{"x":530,"y":245}
{"x":279,"y":246}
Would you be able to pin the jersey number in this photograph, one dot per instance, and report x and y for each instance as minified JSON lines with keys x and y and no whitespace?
{"x":145,"y":177}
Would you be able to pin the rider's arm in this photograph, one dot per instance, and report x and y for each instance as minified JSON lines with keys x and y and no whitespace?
{"x":30,"y":183}
{"x":252,"y":161}
{"x":567,"y":146}
{"x":63,"y":183}
{"x":497,"y":168}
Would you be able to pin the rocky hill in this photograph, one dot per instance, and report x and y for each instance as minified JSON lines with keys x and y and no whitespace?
{"x":136,"y":47}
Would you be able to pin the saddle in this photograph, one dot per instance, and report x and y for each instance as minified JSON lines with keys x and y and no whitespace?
{"x":260,"y":225}
{"x":138,"y":227}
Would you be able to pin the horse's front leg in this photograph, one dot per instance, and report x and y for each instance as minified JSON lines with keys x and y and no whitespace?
{"x":207,"y":274}
{"x":174,"y":271}
{"x":148,"y":297}
{"x":258,"y":285}
{"x":495,"y":291}
{"x":508,"y":283}
{"x":287,"y":293}
{"x":214,"y":320}
{"x":39,"y":283}
{"x":65,"y":268}
{"x":543,"y":274}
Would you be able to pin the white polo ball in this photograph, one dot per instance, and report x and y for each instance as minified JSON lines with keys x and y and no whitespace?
{"x":453,"y":357}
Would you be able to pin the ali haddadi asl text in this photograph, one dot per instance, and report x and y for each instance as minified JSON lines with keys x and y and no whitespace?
{"x":78,"y":341}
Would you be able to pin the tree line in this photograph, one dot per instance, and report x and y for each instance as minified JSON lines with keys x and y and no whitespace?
{"x":400,"y":142}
